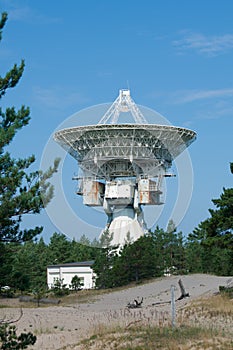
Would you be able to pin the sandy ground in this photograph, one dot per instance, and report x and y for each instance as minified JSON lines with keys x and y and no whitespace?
{"x":61,"y":327}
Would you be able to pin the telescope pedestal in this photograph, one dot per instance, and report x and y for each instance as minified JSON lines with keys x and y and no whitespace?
{"x":126,"y":224}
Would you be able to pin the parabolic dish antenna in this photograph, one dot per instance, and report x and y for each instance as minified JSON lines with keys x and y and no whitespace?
{"x":123,"y":165}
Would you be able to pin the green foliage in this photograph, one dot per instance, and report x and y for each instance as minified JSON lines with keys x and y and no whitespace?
{"x":59,"y":248}
{"x":104,"y":262}
{"x":149,"y":256}
{"x":106,"y":239}
{"x":10,"y":340}
{"x":169,"y":247}
{"x":2,"y":23}
{"x":28,"y":269}
{"x":136,"y":261}
{"x":21,"y":192}
{"x":212,"y":241}
{"x":195,"y":255}
{"x":23,"y":266}
{"x":226,"y":291}
{"x":5,"y":265}
{"x":62,"y":250}
{"x":59,"y":288}
{"x":39,"y":293}
{"x":76,"y":283}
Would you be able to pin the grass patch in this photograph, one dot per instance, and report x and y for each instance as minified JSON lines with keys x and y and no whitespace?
{"x":214,"y":306}
{"x":41,"y":330}
{"x":228,"y":291}
{"x":203,"y":324}
{"x":151,"y":338}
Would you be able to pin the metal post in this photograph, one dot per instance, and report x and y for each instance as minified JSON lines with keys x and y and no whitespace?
{"x":173,"y":308}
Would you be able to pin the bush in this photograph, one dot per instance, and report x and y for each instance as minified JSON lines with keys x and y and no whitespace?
{"x":59,"y":289}
{"x":228,"y":291}
{"x":10,"y":340}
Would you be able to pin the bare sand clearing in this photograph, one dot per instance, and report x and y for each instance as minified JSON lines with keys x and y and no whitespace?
{"x":63,"y":326}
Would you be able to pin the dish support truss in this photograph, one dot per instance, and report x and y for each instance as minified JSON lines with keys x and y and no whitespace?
{"x":123,"y":165}
{"x":123,"y":103}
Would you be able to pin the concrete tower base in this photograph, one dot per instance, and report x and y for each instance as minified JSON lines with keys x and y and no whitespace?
{"x":126,"y":225}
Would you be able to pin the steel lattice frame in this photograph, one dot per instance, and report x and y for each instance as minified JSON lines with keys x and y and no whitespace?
{"x":119,"y":163}
{"x":111,"y":150}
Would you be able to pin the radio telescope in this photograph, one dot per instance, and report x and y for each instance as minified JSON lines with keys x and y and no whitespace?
{"x":123,"y":165}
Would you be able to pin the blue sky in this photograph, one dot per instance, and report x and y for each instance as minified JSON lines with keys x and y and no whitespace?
{"x":176,"y":57}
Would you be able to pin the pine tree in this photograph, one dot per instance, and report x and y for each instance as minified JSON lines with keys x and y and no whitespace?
{"x":59,"y":249}
{"x":21,"y":192}
{"x":215,"y":235}
{"x":104,"y":261}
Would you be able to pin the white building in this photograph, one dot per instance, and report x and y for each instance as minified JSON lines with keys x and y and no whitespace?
{"x":65,"y":273}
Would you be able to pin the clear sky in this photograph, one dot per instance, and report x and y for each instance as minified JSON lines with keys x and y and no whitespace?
{"x":176,"y":57}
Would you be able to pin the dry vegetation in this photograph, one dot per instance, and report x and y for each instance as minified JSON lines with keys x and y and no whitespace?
{"x":203,"y":324}
{"x":150,"y":338}
{"x":94,"y":320}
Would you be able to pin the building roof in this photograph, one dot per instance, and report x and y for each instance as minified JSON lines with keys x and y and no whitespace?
{"x":78,"y":263}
